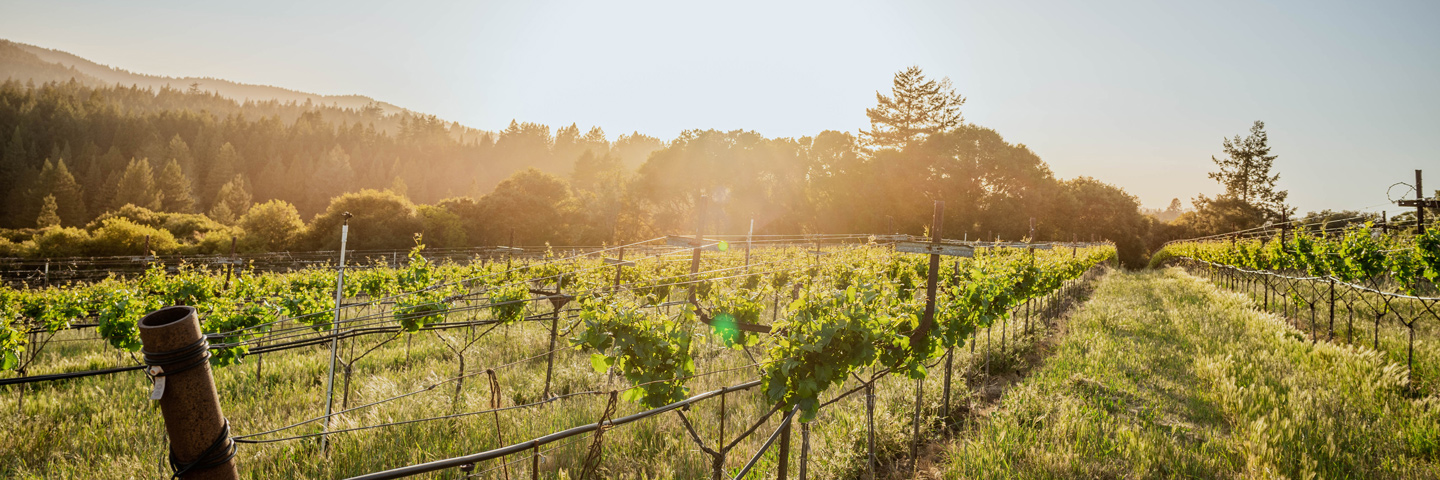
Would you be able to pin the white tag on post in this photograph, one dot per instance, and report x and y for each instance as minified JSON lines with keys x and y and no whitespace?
{"x":159,"y":389}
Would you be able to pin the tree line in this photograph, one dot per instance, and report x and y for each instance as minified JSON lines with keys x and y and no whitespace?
{"x":89,"y":170}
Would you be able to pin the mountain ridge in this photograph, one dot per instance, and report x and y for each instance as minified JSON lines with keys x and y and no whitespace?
{"x":48,"y":64}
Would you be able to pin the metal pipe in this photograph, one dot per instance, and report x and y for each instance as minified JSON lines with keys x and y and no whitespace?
{"x":784,"y":424}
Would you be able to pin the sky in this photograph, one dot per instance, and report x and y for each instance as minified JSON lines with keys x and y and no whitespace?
{"x":1137,"y":94}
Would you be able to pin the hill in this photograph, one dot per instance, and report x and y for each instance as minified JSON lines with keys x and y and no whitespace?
{"x":26,"y":62}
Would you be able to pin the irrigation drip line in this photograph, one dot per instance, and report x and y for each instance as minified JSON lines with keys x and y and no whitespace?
{"x":63,"y":376}
{"x":546,"y":439}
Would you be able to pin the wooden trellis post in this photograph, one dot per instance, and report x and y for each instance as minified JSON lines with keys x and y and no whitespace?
{"x":176,"y":352}
{"x":1420,"y":203}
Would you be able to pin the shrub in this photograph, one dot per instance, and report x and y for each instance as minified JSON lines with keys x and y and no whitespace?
{"x":382,"y":220}
{"x":57,"y":242}
{"x":9,"y":248}
{"x":181,"y":225}
{"x":271,"y":226}
{"x":120,"y":236}
{"x":442,"y":228}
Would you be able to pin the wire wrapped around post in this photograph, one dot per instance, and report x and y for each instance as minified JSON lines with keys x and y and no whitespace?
{"x":592,"y":457}
{"x":178,"y":354}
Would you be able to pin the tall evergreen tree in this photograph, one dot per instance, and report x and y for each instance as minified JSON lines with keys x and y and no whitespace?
{"x":14,"y":158}
{"x":174,"y":188}
{"x":917,"y":108}
{"x":56,"y":180}
{"x":1245,"y":172}
{"x":232,"y":202}
{"x":48,"y":216}
{"x":179,"y":151}
{"x":137,"y":186}
{"x":103,"y":180}
{"x":336,"y":176}
{"x":270,"y":184}
{"x":221,"y":171}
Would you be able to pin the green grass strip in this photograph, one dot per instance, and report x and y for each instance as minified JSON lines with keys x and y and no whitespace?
{"x":1162,"y":375}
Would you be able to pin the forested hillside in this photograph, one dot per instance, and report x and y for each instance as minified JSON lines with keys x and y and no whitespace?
{"x":73,"y":151}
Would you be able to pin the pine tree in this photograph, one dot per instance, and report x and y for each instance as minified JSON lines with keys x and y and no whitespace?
{"x":595,"y":141}
{"x":137,"y":186}
{"x":14,"y":159}
{"x":221,"y":171}
{"x":919,"y":108}
{"x":48,"y":213}
{"x":337,"y":177}
{"x":1245,"y":172}
{"x":232,"y":202}
{"x":174,"y":187}
{"x":69,"y":195}
{"x":179,"y":151}
{"x":103,"y":181}
{"x":20,"y":203}
{"x":270,"y":184}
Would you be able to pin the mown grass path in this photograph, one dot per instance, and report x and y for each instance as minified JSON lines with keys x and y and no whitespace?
{"x":1162,"y":375}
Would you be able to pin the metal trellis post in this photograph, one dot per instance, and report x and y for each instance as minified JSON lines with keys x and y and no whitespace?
{"x":335,"y":332}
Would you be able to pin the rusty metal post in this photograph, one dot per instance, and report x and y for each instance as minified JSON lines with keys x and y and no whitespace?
{"x":783,"y":470}
{"x":804,"y":449}
{"x":870,"y":427}
{"x":177,"y":353}
{"x":1332,"y":309}
{"x":556,"y":303}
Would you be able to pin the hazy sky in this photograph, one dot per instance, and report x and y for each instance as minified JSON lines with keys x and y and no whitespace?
{"x":1138,"y":94}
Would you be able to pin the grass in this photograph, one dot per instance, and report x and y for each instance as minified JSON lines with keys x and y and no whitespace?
{"x":104,"y":427}
{"x":1305,"y":304}
{"x":1163,"y":375}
